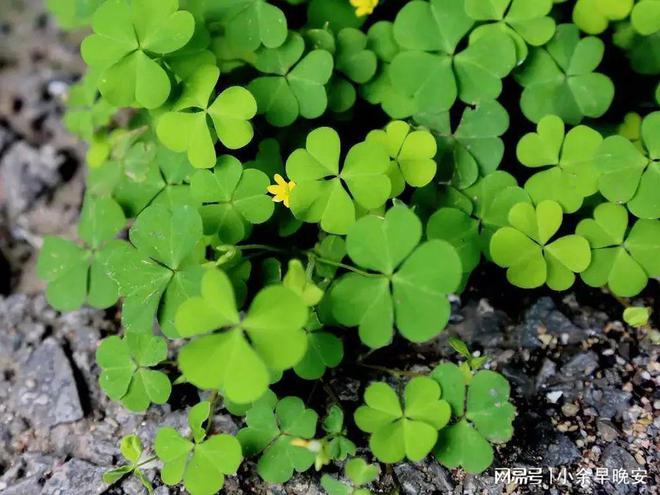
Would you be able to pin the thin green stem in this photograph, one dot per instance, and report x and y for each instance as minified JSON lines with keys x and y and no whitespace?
{"x":146,"y":461}
{"x":212,"y":400}
{"x":346,"y":267}
{"x":393,"y":372}
{"x":262,"y":247}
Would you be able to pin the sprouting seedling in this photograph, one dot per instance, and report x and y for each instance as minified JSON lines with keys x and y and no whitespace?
{"x":131,"y":449}
{"x":237,"y":360}
{"x":526,"y":21}
{"x":358,"y":472}
{"x":126,"y":375}
{"x":188,"y":125}
{"x":76,"y":275}
{"x":406,"y":286}
{"x":335,"y":445}
{"x":531,"y":260}
{"x":481,"y":414}
{"x":282,"y":437}
{"x":630,"y":173}
{"x":293,"y":82}
{"x":569,"y":159}
{"x":201,"y":462}
{"x":411,"y":152}
{"x":637,"y":316}
{"x":621,"y":259}
{"x":472,"y":363}
{"x":403,"y":429}
{"x":127,"y":41}
{"x":429,"y":70}
{"x":321,"y":195}
{"x":565,"y":68}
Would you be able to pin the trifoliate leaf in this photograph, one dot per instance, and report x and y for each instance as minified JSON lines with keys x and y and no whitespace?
{"x":294,"y":85}
{"x":126,"y":376}
{"x":274,"y":435}
{"x":630,"y":175}
{"x":408,"y":430}
{"x":202,"y":465}
{"x":228,"y":360}
{"x":251,"y":23}
{"x":126,"y":45}
{"x":320,"y":195}
{"x":412,"y":154}
{"x":524,"y":250}
{"x":160,"y":263}
{"x":475,"y":148}
{"x":76,"y":275}
{"x":623,"y":264}
{"x":232,"y":199}
{"x":526,"y":21}
{"x":572,"y":174}
{"x":559,"y":78}
{"x":187,"y":127}
{"x":409,"y":286}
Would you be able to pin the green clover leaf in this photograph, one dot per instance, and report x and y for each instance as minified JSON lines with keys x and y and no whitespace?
{"x":86,"y":112}
{"x":483,"y":413}
{"x":645,"y":17}
{"x":76,"y":275}
{"x":237,"y":360}
{"x":189,"y":124}
{"x":637,"y":316}
{"x":232,"y":199}
{"x":409,"y":285}
{"x":131,"y":449}
{"x":524,"y":250}
{"x":638,"y":48}
{"x":407,"y":429}
{"x":276,"y":436}
{"x":354,"y":63}
{"x":429,"y":70}
{"x":324,"y":350}
{"x":125,"y":374}
{"x":251,"y":23}
{"x":461,"y":231}
{"x":358,"y":471}
{"x":128,"y":38}
{"x":295,"y":83}
{"x":320,"y":194}
{"x":526,"y":21}
{"x":623,"y":263}
{"x":475,"y":148}
{"x":559,"y":78}
{"x":411,"y":152}
{"x":297,"y":280}
{"x":203,"y":464}
{"x":630,"y":174}
{"x":572,"y":174}
{"x":593,"y":16}
{"x":159,"y":268}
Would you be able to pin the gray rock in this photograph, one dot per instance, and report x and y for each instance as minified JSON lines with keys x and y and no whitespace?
{"x":609,"y":403}
{"x":480,"y":324}
{"x":46,"y":393}
{"x":76,"y":477}
{"x":607,"y":431}
{"x":423,"y":478}
{"x":580,"y":366}
{"x":27,"y":173}
{"x":559,"y":452}
{"x":27,"y":486}
{"x":615,"y":457}
{"x":547,"y":371}
{"x":543,"y":314}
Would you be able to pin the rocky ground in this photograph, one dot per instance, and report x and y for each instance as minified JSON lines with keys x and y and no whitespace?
{"x":584,"y":384}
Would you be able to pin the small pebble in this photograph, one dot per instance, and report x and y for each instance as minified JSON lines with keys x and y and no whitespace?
{"x":569,"y":409}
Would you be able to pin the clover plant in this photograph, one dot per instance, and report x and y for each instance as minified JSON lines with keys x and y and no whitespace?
{"x":278,"y":189}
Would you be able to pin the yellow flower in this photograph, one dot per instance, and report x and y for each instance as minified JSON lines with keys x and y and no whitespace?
{"x":364,"y":7}
{"x":281,"y":191}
